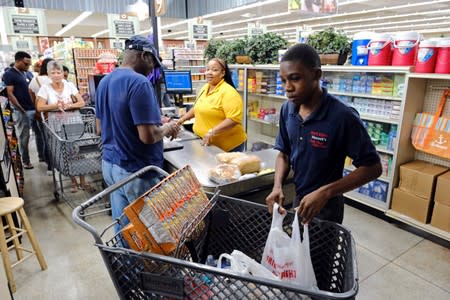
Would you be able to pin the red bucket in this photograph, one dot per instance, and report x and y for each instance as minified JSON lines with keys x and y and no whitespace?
{"x":426,"y":56}
{"x":380,"y":50}
{"x":443,"y":57}
{"x":405,"y":48}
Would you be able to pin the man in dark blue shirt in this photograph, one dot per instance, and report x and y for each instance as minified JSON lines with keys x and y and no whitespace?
{"x":17,"y":80}
{"x":129,"y":119}
{"x":316,"y":133}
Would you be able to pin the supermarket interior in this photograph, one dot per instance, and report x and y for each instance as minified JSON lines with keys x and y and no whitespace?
{"x":203,"y":231}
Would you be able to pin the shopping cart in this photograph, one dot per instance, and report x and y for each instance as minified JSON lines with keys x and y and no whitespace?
{"x":230,"y":224}
{"x":73,"y":148}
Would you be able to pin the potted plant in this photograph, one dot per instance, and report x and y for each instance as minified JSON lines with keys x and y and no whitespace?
{"x":332,"y":46}
{"x":263,"y":49}
{"x":211,"y":48}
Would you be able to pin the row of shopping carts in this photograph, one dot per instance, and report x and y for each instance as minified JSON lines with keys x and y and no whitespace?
{"x":74,"y":149}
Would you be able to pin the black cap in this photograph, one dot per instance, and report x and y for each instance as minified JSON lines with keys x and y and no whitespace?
{"x":140,"y":43}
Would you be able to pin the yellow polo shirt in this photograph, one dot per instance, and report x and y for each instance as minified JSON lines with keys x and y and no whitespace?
{"x":223,"y":102}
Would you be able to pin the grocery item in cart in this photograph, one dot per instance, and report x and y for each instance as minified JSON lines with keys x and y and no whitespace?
{"x":165,"y":214}
{"x":224,"y":173}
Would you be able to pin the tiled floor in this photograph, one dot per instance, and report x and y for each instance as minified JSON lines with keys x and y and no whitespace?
{"x":393,"y":263}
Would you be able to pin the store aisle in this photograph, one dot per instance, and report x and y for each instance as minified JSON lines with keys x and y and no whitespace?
{"x":393,"y":263}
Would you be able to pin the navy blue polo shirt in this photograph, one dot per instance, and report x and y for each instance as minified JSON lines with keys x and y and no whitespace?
{"x":317,"y":146}
{"x":20,"y":81}
{"x":125,"y":99}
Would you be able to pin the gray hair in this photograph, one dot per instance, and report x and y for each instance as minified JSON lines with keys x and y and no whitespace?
{"x":54,"y":65}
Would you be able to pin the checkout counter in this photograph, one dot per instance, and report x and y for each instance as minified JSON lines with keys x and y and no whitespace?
{"x":202,"y":158}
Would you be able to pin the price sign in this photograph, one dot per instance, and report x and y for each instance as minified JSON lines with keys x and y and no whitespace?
{"x":124,"y":27}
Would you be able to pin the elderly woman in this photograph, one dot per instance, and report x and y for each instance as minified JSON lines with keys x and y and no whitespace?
{"x":62,"y":100}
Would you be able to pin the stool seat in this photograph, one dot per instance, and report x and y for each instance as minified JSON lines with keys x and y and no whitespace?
{"x":9,"y":205}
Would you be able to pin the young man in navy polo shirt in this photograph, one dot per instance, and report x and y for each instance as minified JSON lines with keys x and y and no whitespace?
{"x":317,"y":132}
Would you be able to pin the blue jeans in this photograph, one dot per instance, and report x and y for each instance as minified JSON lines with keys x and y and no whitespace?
{"x":23,"y":123}
{"x":126,"y":194}
{"x":239,"y":148}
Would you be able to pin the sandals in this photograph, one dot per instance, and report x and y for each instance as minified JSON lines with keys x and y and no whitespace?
{"x":73,"y":188}
{"x":87,"y":188}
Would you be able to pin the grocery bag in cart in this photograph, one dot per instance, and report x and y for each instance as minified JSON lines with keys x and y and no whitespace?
{"x":287,"y":256}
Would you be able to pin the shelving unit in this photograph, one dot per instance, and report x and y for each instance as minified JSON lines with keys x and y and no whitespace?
{"x":84,"y":62}
{"x":190,"y":59}
{"x":413,"y":93}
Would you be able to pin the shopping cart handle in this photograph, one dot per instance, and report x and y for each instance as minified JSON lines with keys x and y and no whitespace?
{"x":77,"y":212}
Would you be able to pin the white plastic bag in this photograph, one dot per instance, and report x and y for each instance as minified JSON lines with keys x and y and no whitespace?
{"x":288,"y":257}
{"x":244,"y":265}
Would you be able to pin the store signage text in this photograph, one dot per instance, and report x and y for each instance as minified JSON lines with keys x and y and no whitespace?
{"x":200,"y":31}
{"x":25,"y":24}
{"x":124,"y":27}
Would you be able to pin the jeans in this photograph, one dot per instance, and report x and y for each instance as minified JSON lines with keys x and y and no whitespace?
{"x":239,"y":148}
{"x":126,"y":194}
{"x":23,"y":123}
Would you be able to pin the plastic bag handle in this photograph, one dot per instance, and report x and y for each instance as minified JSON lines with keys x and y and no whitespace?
{"x":377,"y":48}
{"x":277,"y":218}
{"x":407,"y":46}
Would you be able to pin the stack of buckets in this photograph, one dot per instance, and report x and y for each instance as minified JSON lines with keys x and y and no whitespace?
{"x":401,"y":49}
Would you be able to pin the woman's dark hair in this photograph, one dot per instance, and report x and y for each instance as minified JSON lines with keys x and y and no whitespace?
{"x":227,"y":76}
{"x":43,"y":70}
{"x":66,"y":69}
{"x":304,"y":54}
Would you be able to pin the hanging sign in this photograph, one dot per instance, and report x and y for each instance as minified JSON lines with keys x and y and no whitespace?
{"x":200,"y":29}
{"x":25,"y":21}
{"x":313,"y":6}
{"x":122,"y":26}
{"x":256,"y":29}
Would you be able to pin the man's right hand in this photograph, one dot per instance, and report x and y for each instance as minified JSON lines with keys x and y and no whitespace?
{"x":172,"y":130}
{"x":276,"y":196}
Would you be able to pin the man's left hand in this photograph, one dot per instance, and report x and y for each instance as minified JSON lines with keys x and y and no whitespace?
{"x":311,"y":205}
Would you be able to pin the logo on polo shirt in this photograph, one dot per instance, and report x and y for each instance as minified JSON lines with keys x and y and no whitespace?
{"x":319,"y":139}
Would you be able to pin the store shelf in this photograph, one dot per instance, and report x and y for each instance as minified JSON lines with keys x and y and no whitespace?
{"x":429,"y":76}
{"x":382,"y":178}
{"x":383,"y":149}
{"x":367,"y":69}
{"x":366,"y":200}
{"x":371,"y":96}
{"x":268,"y":95}
{"x":414,"y":223}
{"x":379,"y":119}
{"x":197,"y":73}
{"x":263,"y":138}
{"x":263,"y":122}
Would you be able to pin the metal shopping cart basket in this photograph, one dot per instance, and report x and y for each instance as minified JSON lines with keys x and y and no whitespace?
{"x":230,"y":224}
{"x":73,"y":150}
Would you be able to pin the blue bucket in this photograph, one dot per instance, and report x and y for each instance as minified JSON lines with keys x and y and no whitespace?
{"x":360,"y":52}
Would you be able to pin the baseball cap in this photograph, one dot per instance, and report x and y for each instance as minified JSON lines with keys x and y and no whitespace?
{"x":140,"y":43}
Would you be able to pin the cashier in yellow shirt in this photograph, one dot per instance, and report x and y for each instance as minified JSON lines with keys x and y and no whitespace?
{"x":218,"y":110}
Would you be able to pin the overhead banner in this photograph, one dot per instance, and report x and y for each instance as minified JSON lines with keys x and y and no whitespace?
{"x":200,"y":29}
{"x":25,"y":21}
{"x":313,"y":6}
{"x":256,"y":29}
{"x":122,"y":26}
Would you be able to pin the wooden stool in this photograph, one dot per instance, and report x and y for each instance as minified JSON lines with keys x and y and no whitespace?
{"x":9,"y":206}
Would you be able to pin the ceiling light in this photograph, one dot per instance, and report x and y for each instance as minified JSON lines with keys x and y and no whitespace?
{"x":252,"y":19}
{"x":175,"y":33}
{"x":139,"y":9}
{"x":75,"y":22}
{"x":248,"y":15}
{"x":100,"y":33}
{"x":239,"y":8}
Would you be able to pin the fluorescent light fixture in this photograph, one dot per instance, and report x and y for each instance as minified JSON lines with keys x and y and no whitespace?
{"x":100,"y":33}
{"x":3,"y":35}
{"x":394,"y":8}
{"x":403,"y":27}
{"x":343,"y":3}
{"x":74,"y":23}
{"x":239,"y":8}
{"x":410,"y":22}
{"x":252,"y":19}
{"x":171,"y":25}
{"x":175,"y":33}
{"x":248,"y":15}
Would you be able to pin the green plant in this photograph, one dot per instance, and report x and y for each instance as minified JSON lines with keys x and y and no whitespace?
{"x":329,"y":41}
{"x":211,"y":48}
{"x":263,"y":49}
